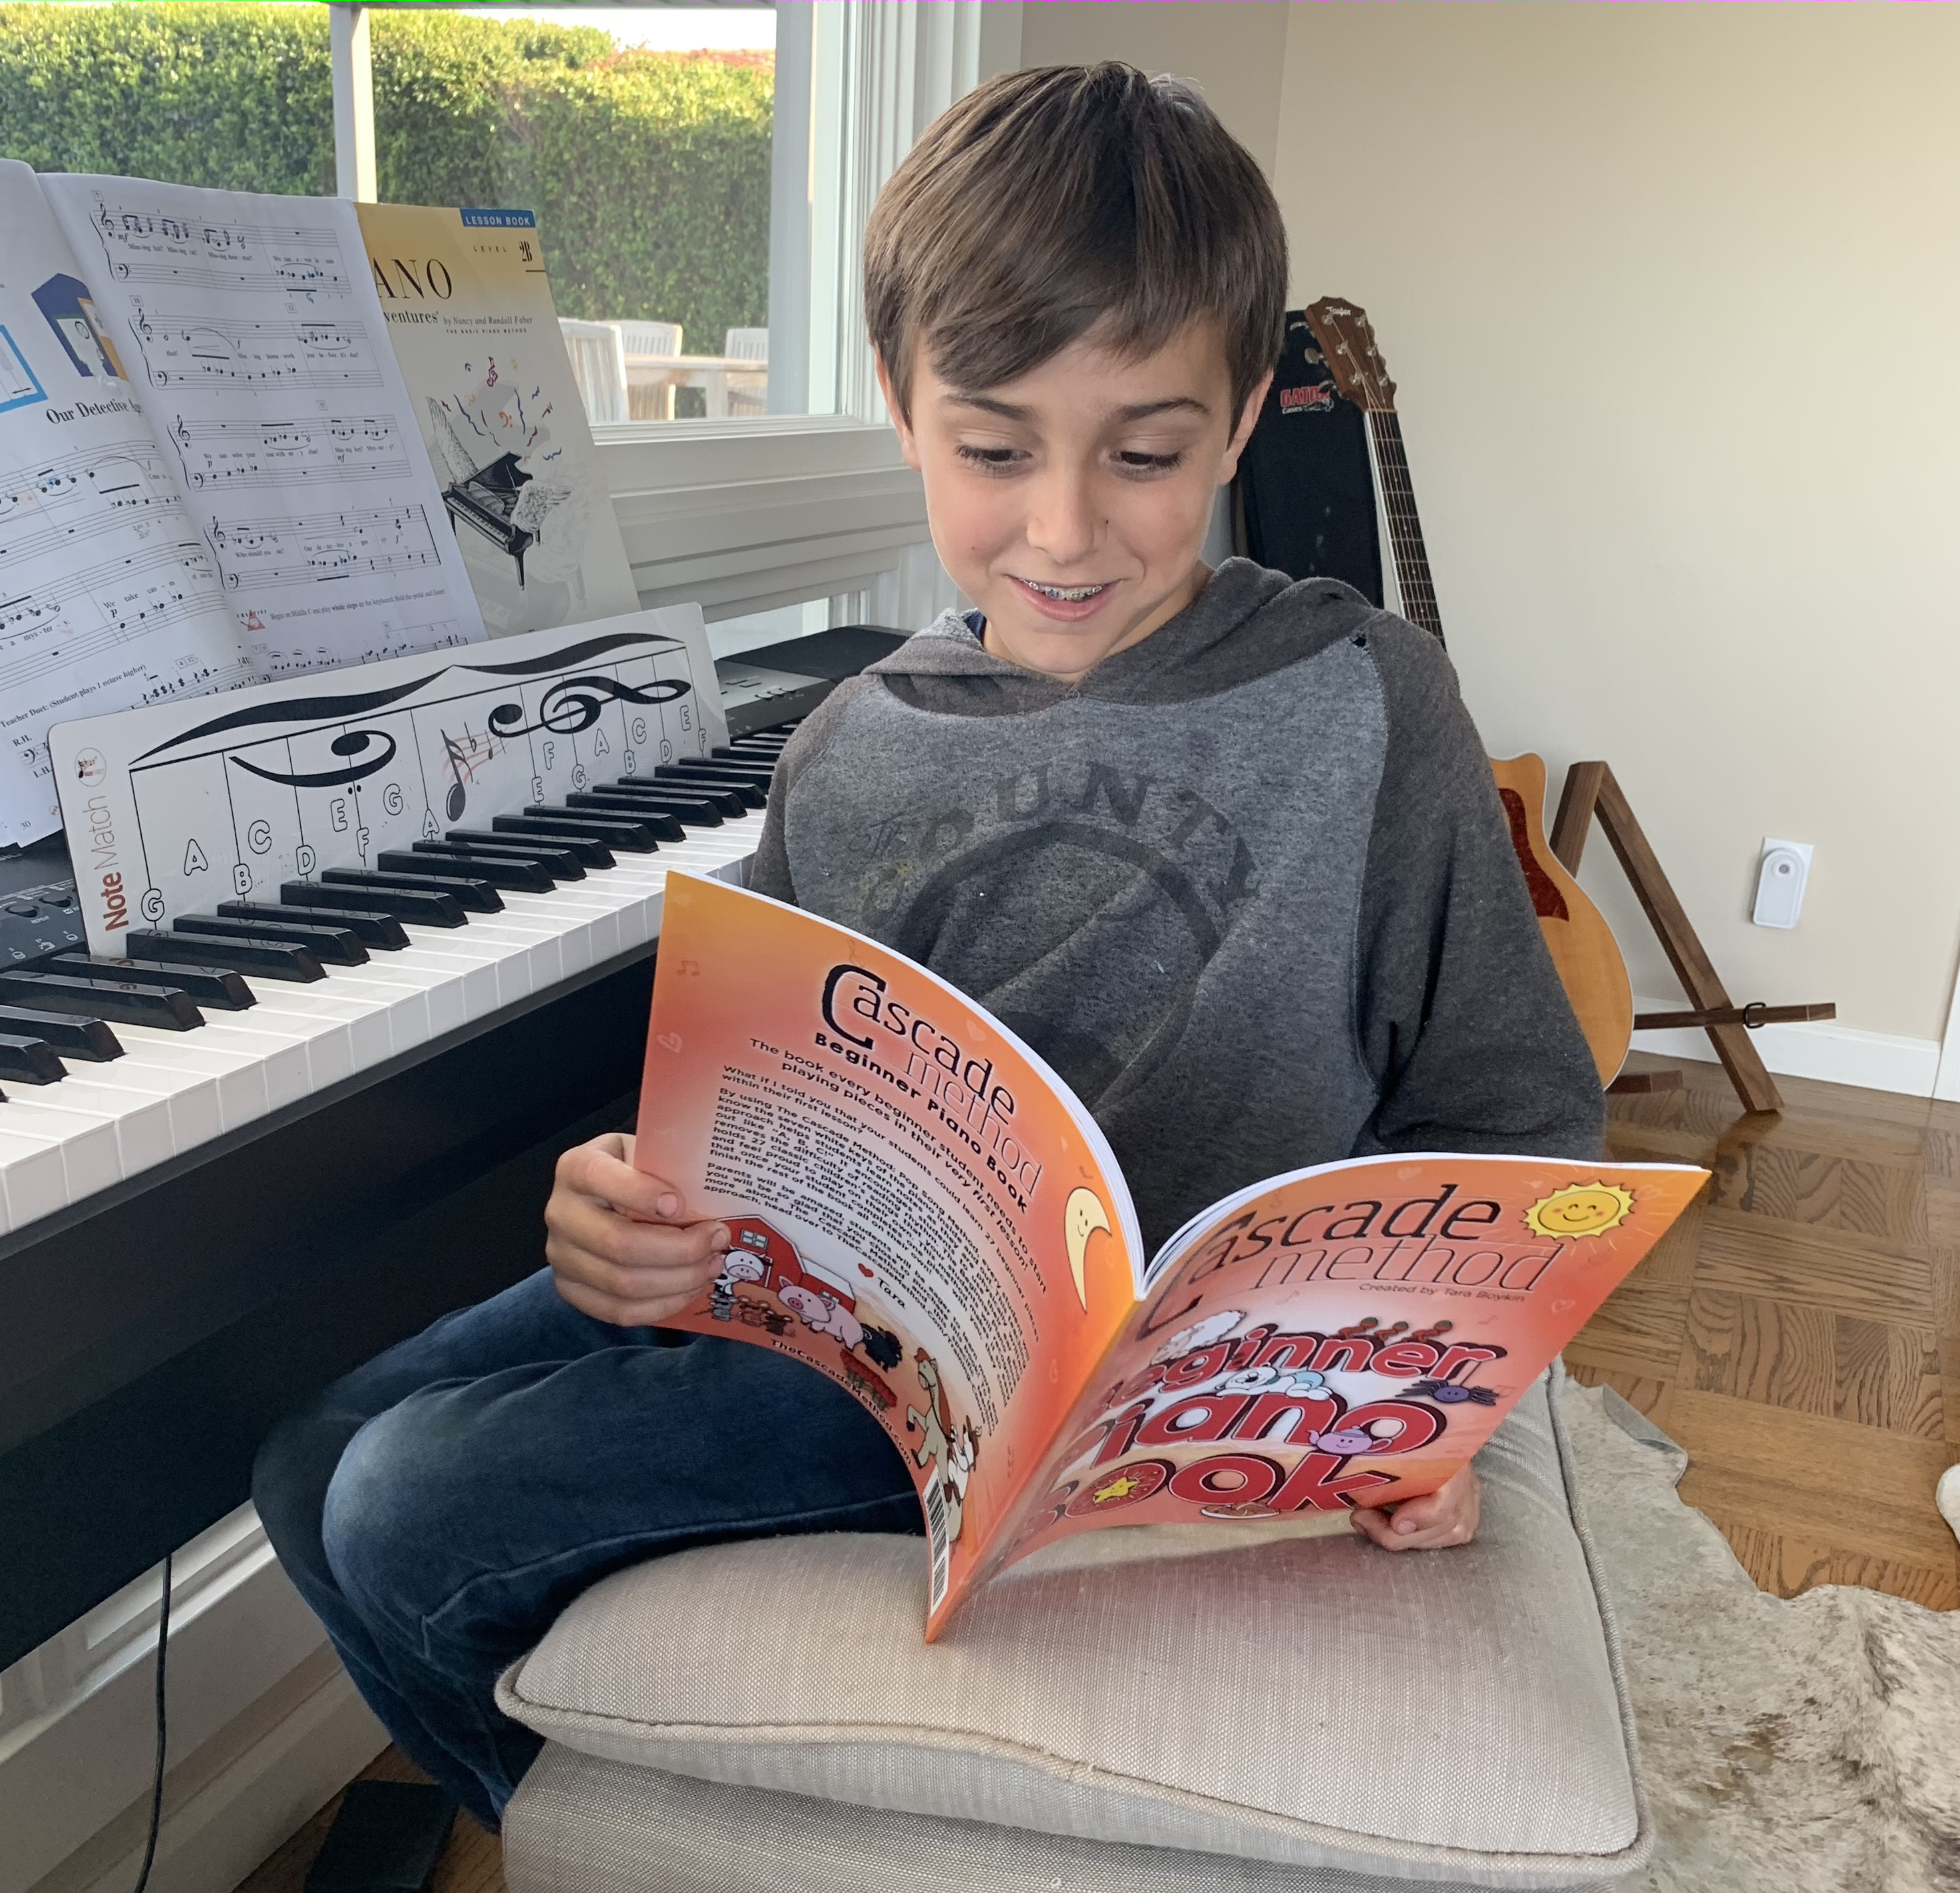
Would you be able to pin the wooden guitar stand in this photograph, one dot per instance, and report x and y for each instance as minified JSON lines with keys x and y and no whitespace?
{"x":1591,"y":790}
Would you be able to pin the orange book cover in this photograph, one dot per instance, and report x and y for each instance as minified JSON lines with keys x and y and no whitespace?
{"x":924,"y":1211}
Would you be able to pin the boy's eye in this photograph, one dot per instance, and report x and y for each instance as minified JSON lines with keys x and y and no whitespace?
{"x":1139,"y":462}
{"x":992,"y":459}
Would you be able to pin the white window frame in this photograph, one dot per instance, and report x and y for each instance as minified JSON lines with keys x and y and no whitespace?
{"x":744,"y":516}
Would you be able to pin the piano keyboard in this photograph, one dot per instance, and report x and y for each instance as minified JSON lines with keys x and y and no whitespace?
{"x":109,"y":1068}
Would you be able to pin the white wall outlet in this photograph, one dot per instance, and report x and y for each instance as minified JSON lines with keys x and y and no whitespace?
{"x":1781,"y":877}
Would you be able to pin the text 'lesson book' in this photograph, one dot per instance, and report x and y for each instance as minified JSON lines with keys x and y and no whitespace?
{"x":922,"y":1210}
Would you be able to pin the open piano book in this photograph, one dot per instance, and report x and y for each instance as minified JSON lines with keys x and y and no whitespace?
{"x":924,"y":1211}
{"x":211,"y":471}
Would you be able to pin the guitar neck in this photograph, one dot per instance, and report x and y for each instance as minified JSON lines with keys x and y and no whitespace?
{"x":1405,"y":546}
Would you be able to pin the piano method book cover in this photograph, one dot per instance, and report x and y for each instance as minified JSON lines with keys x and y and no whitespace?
{"x":922,"y":1211}
{"x":469,"y":311}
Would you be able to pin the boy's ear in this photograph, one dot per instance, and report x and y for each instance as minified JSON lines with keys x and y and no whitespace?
{"x":906,"y":445}
{"x":1248,"y":420}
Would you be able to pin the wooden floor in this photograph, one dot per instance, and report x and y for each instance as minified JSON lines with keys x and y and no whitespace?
{"x":1799,"y":1332}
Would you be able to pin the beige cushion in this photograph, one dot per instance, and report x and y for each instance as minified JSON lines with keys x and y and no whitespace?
{"x":1450,"y":1716}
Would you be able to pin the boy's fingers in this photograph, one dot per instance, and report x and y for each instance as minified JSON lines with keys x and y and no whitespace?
{"x":578,"y":1228}
{"x":603,"y":1169}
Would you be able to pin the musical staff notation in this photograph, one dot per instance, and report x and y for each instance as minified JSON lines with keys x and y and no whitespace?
{"x":324,"y":547}
{"x":220,"y":455}
{"x":152,"y":246}
{"x":178,"y":350}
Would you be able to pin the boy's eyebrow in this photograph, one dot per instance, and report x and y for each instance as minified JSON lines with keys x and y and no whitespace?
{"x":1137,"y":411}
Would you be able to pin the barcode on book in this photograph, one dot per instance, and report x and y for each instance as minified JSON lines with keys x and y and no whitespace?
{"x":936,"y":1542}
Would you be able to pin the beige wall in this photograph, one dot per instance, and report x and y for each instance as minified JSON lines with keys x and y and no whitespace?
{"x":1673,"y":295}
{"x":1235,"y":49}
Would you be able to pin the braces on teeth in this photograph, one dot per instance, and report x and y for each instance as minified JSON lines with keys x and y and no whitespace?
{"x":1067,"y":594}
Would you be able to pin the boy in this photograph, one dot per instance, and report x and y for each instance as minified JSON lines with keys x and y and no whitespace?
{"x":1224,"y":849}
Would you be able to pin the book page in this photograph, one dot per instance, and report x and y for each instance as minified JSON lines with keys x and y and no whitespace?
{"x":109,"y":597}
{"x":1349,"y":1335}
{"x":468,"y":308}
{"x":251,"y":325}
{"x":921,"y":1212}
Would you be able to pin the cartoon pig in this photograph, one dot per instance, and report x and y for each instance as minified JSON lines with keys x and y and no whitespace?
{"x":821,"y":1314}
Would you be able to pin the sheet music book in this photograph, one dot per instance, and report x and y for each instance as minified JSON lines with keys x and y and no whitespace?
{"x":469,"y":308}
{"x":251,"y":326}
{"x":110,"y":597}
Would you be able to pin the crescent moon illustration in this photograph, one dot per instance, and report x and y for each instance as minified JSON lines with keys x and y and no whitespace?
{"x":1080,"y":1218}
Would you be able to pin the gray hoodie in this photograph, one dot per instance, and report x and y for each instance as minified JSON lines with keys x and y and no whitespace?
{"x":1246,"y":885}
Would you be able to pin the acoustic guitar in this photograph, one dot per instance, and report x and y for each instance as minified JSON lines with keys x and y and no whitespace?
{"x":1582,"y":945}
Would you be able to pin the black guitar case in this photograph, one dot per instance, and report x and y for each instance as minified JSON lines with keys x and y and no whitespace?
{"x":1306,"y":487}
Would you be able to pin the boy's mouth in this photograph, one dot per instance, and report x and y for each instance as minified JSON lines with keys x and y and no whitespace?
{"x":1064,"y":601}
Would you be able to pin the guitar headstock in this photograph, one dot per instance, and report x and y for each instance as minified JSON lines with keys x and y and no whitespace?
{"x":1347,"y":342}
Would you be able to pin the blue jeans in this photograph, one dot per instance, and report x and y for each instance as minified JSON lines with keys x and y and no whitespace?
{"x":440,"y":1505}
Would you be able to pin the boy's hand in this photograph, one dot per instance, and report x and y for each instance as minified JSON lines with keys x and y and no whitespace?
{"x":1446,"y":1517}
{"x":613,"y":1242}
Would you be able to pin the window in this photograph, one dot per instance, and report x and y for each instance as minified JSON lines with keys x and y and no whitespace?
{"x":716,"y":260}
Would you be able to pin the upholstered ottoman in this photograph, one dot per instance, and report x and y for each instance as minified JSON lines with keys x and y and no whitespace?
{"x":1153,"y":1708}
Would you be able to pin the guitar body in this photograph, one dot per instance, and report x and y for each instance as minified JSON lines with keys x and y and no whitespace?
{"x":1582,"y":945}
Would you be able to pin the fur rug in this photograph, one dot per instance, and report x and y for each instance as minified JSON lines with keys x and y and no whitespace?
{"x":1805,"y":1746}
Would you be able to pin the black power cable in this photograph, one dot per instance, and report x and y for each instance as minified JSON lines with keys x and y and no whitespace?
{"x":157,"y":1782}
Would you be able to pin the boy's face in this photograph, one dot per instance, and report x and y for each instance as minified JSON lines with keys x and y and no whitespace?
{"x":1069,"y":505}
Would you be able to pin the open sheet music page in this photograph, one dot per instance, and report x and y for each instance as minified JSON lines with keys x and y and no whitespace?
{"x":469,"y":311}
{"x":109,"y":596}
{"x":251,"y":327}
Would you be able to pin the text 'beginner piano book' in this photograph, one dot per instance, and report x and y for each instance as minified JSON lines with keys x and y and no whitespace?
{"x":923,"y":1211}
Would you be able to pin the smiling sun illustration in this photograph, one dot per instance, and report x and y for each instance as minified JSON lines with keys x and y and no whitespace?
{"x":1580,"y":1209}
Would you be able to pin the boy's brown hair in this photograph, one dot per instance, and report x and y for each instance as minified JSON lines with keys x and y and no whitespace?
{"x":1048,"y":203}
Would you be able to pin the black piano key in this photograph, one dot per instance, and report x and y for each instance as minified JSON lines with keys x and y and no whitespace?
{"x":79,"y":1038}
{"x":751,"y":769}
{"x":264,"y":959}
{"x":744,"y":779}
{"x":500,"y":871}
{"x":382,"y":931}
{"x":404,"y":903}
{"x":769,"y":747}
{"x":592,"y":852}
{"x":207,"y":984}
{"x":477,"y":897}
{"x":560,"y":863}
{"x":30,"y":1061}
{"x":684,"y":799}
{"x":754,"y":794}
{"x":664,"y":825}
{"x":123,"y":1001}
{"x":744,"y":758}
{"x":331,"y":946}
{"x":620,"y":831}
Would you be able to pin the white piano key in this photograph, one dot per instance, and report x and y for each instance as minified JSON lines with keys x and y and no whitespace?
{"x":141,"y":1113}
{"x":33,"y":1183}
{"x":91,"y":1158}
{"x":189,"y":1091}
{"x":237,"y":1086}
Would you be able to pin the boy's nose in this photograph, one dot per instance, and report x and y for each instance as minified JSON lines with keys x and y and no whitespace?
{"x":1063,"y":521}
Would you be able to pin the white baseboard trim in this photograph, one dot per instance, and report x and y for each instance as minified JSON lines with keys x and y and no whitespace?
{"x":265,"y":1726}
{"x":1837,"y":1054}
{"x":242,"y":1810}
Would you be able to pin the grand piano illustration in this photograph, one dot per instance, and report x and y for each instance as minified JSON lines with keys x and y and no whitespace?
{"x":495,"y":497}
